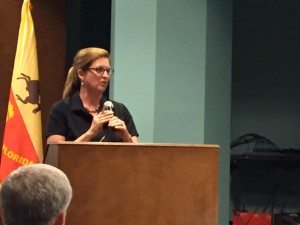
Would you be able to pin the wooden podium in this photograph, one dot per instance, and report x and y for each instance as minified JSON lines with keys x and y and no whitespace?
{"x":139,"y":184}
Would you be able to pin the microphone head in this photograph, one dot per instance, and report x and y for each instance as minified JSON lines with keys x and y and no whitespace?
{"x":108,"y":105}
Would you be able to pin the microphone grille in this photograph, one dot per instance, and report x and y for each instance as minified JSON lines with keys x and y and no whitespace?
{"x":108,"y":105}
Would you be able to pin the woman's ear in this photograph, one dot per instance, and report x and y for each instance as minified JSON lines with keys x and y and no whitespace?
{"x":80,"y":74}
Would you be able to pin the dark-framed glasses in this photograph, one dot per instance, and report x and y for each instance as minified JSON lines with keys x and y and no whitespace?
{"x":100,"y":70}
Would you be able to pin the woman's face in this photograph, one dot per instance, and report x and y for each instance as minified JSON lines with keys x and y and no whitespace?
{"x":97,"y":76}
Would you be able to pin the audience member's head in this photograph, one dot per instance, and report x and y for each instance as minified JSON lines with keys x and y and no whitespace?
{"x":37,"y":194}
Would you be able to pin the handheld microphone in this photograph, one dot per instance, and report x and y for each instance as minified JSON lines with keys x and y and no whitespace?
{"x":108,"y":105}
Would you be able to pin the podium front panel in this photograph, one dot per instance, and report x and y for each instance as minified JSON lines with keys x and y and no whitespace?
{"x":140,"y":184}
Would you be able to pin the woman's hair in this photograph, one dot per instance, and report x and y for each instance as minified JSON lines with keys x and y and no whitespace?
{"x":83,"y":59}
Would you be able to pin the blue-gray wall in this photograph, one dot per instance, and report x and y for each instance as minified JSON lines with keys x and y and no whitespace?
{"x":173,"y":72}
{"x":218,"y":93}
{"x":133,"y":52}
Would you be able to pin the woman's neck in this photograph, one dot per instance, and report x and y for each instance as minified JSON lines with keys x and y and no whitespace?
{"x":90,"y":100}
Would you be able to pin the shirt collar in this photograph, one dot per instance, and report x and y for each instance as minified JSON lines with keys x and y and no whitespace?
{"x":75,"y":102}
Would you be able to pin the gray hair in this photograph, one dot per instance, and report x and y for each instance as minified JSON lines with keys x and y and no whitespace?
{"x":34,"y":195}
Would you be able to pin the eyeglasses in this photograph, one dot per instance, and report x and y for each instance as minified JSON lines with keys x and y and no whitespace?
{"x":100,"y":70}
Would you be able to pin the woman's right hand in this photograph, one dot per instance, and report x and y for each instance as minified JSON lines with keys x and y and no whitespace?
{"x":100,"y":120}
{"x":98,"y":123}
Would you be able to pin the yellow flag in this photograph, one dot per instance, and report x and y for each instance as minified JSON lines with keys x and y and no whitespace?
{"x":22,"y":141}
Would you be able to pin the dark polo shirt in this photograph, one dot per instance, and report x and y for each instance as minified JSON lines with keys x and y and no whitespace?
{"x":70,"y":119}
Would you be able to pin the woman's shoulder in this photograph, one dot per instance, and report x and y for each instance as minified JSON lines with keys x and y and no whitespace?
{"x":61,"y":104}
{"x":117,"y":104}
{"x":72,"y":101}
{"x":119,"y":107}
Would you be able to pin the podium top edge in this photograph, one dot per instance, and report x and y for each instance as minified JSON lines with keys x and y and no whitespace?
{"x":135,"y":144}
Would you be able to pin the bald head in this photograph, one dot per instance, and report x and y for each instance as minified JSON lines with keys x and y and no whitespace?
{"x":34,"y":195}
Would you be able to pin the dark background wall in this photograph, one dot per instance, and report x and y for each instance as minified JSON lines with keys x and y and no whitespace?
{"x":266,"y":69}
{"x":89,"y":24}
{"x":266,"y":101}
